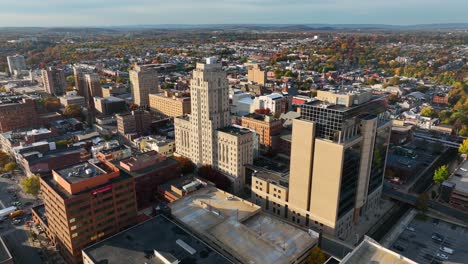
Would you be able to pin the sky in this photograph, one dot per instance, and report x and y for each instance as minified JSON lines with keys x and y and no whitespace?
{"x":23,"y":13}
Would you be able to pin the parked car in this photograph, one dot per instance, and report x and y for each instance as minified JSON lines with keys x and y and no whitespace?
{"x":442,"y":256}
{"x":446,"y":250}
{"x":437,"y":237}
{"x":410,"y":228}
{"x":17,"y":221}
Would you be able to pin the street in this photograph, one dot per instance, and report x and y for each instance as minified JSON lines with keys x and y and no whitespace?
{"x":16,"y":236}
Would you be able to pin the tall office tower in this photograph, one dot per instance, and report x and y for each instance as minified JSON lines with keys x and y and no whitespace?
{"x":206,"y":136}
{"x":54,"y":81}
{"x":80,"y":81}
{"x":338,"y":154}
{"x":85,"y":203}
{"x":144,"y":81}
{"x":93,"y":86}
{"x":16,"y":63}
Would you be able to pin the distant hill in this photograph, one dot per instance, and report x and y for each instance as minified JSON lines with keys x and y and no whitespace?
{"x":236,"y":27}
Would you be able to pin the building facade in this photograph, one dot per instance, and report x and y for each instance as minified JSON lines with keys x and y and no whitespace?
{"x":18,"y":115}
{"x":85,"y":203}
{"x":338,"y":156}
{"x":206,"y":136}
{"x":256,"y":74}
{"x":135,"y":122}
{"x":170,"y":104}
{"x":144,"y":81}
{"x":16,"y":63}
{"x":54,"y":81}
{"x":266,"y":126}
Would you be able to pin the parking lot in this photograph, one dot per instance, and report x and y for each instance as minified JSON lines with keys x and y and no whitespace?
{"x":16,"y":235}
{"x":417,"y":243}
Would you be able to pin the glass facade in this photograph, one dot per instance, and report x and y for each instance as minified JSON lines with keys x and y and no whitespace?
{"x":378,"y":159}
{"x":338,"y":123}
{"x":348,"y":186}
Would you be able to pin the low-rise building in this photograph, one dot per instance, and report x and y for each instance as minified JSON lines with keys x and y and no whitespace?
{"x":369,"y":252}
{"x":109,"y":105}
{"x":266,"y":126}
{"x":241,"y":230}
{"x":72,"y":98}
{"x":136,"y":122}
{"x":149,"y":170}
{"x":170,"y":103}
{"x":162,"y":145}
{"x":158,"y":240}
{"x":115,"y":153}
{"x":459,"y":193}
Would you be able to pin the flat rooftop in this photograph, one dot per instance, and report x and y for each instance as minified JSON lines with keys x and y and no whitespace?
{"x":371,"y":252}
{"x":137,"y":245}
{"x":234,"y":130}
{"x":239,"y":227}
{"x":81,"y":171}
{"x":461,"y":182}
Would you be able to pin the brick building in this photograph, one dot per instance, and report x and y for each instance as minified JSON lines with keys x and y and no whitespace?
{"x":149,"y":170}
{"x":266,"y":126}
{"x":85,"y":203}
{"x":21,"y":114}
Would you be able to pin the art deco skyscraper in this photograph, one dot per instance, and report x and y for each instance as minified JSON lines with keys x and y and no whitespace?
{"x":206,"y":136}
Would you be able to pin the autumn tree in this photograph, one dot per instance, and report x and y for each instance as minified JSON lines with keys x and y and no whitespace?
{"x":186,"y":165}
{"x":73,"y":110}
{"x":10,"y":166}
{"x":441,"y":174}
{"x":31,"y":185}
{"x":316,"y":256}
{"x":428,"y":111}
{"x":463,"y":149}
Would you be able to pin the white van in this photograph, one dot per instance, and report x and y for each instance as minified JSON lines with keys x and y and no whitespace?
{"x":446,"y":250}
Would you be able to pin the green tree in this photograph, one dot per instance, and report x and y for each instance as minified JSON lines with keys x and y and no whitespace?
{"x":316,"y":256}
{"x":31,"y":185}
{"x":278,"y":73}
{"x":441,"y":174}
{"x":10,"y":166}
{"x":428,"y":111}
{"x":71,"y":79}
{"x":394,"y":81}
{"x":463,"y":149}
{"x":421,"y":202}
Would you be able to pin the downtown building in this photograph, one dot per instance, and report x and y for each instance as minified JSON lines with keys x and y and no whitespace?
{"x":85,"y":203}
{"x":144,"y":81}
{"x":54,"y":81}
{"x":16,"y":64}
{"x":338,"y":155}
{"x":206,"y":136}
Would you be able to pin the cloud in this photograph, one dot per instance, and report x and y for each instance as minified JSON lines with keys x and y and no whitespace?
{"x":124,"y":12}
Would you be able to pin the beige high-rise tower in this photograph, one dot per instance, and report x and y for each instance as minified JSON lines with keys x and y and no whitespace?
{"x":206,"y":136}
{"x":338,"y":154}
{"x":144,"y":81}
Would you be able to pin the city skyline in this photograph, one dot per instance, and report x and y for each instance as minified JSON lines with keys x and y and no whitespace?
{"x":49,"y":13}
